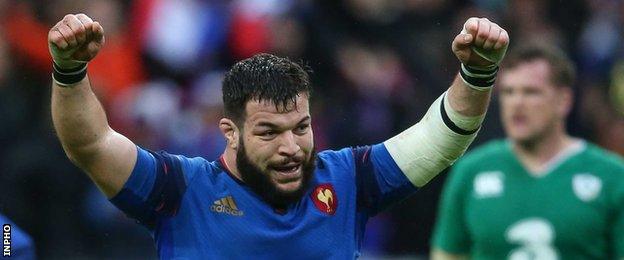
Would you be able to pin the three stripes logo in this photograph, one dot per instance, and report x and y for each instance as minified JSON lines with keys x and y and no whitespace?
{"x":226,"y":205}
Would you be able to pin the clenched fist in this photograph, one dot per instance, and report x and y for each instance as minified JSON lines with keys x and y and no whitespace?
{"x":75,"y":40}
{"x":481,"y":43}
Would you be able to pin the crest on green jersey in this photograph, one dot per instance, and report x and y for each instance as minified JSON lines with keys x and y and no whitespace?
{"x":586,"y":186}
{"x":488,"y":184}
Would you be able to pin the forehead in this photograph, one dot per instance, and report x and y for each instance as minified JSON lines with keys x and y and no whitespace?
{"x":265,"y":111}
{"x":534,"y":73}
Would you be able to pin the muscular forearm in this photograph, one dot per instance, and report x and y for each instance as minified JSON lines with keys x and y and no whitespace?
{"x":443,"y":135}
{"x":80,"y":122}
{"x":425,"y":149}
{"x":79,"y":119}
{"x":467,"y":101}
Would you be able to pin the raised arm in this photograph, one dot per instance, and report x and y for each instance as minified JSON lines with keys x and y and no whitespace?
{"x":451,"y":123}
{"x":480,"y":47}
{"x":79,"y":119}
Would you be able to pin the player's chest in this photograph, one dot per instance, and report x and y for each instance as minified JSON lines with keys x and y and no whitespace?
{"x":561,"y":206}
{"x":231,"y":218}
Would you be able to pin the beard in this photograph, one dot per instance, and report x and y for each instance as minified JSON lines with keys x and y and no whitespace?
{"x":260,"y":181}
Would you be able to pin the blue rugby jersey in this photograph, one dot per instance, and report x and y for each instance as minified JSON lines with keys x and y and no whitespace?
{"x":195,"y":209}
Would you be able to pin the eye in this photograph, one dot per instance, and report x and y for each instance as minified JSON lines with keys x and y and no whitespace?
{"x":533,"y":92}
{"x":268,"y":134}
{"x":302,"y":129}
{"x":506,"y":91}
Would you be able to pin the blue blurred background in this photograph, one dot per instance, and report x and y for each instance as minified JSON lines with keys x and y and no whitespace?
{"x":377,"y":64}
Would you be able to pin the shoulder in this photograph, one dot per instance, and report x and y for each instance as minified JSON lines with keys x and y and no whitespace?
{"x":198,"y":167}
{"x":188,"y":165}
{"x":607,"y":166}
{"x":197,"y":163}
{"x":604,"y":159}
{"x":342,"y":158}
{"x":595,"y":152}
{"x":346,"y":157}
{"x":186,"y":161}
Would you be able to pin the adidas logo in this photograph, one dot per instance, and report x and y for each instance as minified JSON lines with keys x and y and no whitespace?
{"x":226,"y":205}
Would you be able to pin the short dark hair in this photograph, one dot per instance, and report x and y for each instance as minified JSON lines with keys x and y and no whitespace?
{"x":263,"y":77}
{"x":562,"y":69}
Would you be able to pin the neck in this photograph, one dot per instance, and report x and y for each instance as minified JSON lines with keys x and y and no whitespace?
{"x":229,"y":158}
{"x":539,"y":151}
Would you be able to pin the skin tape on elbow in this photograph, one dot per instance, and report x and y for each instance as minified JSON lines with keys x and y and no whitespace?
{"x":425,"y":149}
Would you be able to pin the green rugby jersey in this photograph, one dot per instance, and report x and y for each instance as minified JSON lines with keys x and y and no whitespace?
{"x":492,"y":208}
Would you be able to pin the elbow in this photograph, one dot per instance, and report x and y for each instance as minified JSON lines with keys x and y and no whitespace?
{"x":81,"y":154}
{"x":75,"y":157}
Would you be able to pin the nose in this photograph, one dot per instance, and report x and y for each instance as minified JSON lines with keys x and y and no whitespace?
{"x":288,"y":145}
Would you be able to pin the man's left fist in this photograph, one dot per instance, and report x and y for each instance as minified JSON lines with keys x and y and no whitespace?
{"x":481,"y":43}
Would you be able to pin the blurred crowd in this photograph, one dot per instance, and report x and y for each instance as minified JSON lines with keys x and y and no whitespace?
{"x":377,"y":65}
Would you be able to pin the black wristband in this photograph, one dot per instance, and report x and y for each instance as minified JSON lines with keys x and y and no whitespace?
{"x":478,"y":79}
{"x":68,"y":77}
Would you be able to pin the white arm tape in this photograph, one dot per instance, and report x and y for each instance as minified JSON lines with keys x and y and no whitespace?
{"x":425,"y":149}
{"x":461,"y":121}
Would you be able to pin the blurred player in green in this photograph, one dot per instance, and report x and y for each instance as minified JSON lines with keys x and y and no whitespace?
{"x":540,"y":194}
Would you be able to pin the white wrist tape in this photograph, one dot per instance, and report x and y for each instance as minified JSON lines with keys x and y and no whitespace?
{"x":468,"y":123}
{"x":425,"y":149}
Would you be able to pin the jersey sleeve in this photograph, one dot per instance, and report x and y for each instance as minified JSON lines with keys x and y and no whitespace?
{"x":380,"y":183}
{"x":450,"y":232}
{"x":155,"y":186}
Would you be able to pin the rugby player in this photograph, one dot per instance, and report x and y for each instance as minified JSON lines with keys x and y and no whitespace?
{"x":270,"y":195}
{"x":541,"y":193}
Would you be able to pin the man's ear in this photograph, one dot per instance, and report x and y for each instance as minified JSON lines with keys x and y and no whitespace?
{"x":566,"y":101}
{"x":230,"y":131}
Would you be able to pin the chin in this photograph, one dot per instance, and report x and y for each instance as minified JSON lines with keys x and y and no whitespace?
{"x":525,"y":139}
{"x":519,"y":135}
{"x":289,"y":187}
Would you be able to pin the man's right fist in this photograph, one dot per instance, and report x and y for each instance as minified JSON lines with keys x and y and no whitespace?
{"x":481,"y":43}
{"x":75,"y":40}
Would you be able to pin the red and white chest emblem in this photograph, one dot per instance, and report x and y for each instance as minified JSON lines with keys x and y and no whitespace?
{"x":325,"y":199}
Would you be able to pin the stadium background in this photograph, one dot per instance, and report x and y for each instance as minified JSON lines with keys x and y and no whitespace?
{"x":377,"y":66}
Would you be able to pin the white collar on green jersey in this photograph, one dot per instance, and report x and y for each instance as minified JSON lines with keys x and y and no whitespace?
{"x":575,"y":147}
